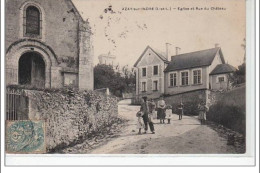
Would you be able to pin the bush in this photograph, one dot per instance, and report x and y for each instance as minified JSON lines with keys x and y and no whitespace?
{"x":71,"y":115}
{"x":230,"y":116}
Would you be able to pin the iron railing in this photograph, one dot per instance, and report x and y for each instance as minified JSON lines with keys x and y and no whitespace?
{"x":17,"y":105}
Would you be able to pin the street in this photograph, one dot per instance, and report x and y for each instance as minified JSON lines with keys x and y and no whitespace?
{"x":184,"y":136}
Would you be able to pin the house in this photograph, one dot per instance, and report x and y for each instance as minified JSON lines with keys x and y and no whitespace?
{"x":150,"y":68}
{"x":48,"y":45}
{"x":220,"y":76}
{"x":186,"y":73}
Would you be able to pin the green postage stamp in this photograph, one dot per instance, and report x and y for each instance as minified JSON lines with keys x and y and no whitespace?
{"x":25,"y":137}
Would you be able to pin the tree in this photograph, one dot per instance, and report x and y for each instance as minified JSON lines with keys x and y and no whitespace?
{"x":106,"y":77}
{"x":241,"y":72}
{"x":130,"y":78}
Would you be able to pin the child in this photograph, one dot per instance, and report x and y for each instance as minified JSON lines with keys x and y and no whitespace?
{"x":180,"y":108}
{"x":140,"y":123}
{"x":169,"y":113}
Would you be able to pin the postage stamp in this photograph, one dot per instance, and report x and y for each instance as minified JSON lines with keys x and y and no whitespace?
{"x":25,"y":137}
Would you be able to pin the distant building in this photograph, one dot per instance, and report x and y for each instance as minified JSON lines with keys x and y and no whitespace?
{"x":48,"y":45}
{"x":109,"y":59}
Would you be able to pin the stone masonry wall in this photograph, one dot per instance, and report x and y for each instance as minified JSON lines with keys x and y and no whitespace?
{"x":59,"y":26}
{"x":189,"y":99}
{"x":71,"y":115}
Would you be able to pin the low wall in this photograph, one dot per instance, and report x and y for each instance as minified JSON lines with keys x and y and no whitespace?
{"x":71,"y":116}
{"x":189,"y":99}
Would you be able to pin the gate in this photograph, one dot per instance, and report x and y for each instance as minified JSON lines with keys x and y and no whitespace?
{"x":17,"y":105}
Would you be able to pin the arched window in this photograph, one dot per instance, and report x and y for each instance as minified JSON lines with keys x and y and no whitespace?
{"x":32,"y":21}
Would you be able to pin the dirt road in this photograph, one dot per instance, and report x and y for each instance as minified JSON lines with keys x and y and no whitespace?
{"x":184,"y":136}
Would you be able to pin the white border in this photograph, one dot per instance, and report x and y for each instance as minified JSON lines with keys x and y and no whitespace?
{"x":185,"y":159}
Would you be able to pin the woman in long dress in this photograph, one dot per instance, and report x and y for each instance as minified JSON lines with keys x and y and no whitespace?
{"x":161,"y":109}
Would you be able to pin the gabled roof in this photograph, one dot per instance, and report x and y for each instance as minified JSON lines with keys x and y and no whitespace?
{"x":158,"y":53}
{"x":223,"y":68}
{"x":194,"y":59}
{"x":77,"y":13}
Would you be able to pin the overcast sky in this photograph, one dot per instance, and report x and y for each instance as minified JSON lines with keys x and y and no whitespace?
{"x":126,"y":34}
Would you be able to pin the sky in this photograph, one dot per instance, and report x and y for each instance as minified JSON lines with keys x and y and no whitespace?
{"x":126,"y":33}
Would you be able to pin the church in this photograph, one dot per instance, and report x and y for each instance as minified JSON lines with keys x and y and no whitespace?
{"x":48,"y":45}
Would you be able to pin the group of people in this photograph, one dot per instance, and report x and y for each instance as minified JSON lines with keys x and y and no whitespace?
{"x":148,"y":112}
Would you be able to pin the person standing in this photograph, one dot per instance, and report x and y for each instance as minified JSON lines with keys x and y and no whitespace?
{"x":180,"y":108}
{"x":145,"y":109}
{"x":161,"y":110}
{"x":202,"y":112}
{"x":140,"y":123}
{"x":168,"y":113}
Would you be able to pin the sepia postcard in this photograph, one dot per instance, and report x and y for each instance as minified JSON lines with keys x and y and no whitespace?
{"x":127,"y":79}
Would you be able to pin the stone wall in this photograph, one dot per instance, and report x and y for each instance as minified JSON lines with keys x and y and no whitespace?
{"x":189,"y":99}
{"x":71,"y":115}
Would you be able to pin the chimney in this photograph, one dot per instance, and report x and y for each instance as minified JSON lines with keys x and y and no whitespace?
{"x":177,"y":50}
{"x":216,"y":45}
{"x":168,"y":52}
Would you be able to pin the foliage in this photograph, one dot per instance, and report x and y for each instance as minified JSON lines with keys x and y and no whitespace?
{"x":230,"y":116}
{"x":241,"y":73}
{"x":72,"y":115}
{"x":106,"y":77}
{"x":229,"y":109}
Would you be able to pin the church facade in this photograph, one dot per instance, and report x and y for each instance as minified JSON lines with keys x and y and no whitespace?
{"x":47,"y":45}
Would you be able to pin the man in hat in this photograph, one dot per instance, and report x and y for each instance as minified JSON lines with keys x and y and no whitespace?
{"x":145,"y":109}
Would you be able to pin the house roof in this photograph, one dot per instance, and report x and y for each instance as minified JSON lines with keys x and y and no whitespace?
{"x":223,"y":68}
{"x":194,"y":59}
{"x":158,"y":53}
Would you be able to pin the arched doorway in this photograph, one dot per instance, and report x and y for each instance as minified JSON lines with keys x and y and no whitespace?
{"x":31,"y":70}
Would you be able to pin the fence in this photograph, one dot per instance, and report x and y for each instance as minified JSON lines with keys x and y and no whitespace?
{"x":17,"y":105}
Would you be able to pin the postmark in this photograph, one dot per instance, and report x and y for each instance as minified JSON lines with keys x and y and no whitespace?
{"x":25,"y":137}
